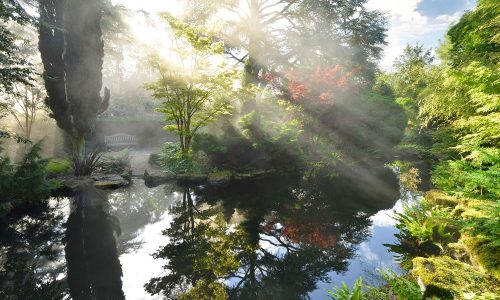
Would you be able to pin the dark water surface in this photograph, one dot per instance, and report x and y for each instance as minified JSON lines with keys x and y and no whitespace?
{"x":277,"y":238}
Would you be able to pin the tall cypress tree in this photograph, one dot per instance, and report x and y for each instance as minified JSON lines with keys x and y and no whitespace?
{"x":72,"y":50}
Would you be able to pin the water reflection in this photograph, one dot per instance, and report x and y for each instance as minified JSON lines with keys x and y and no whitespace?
{"x":93,"y":268}
{"x":30,"y":240}
{"x":273,"y":238}
{"x":278,"y":238}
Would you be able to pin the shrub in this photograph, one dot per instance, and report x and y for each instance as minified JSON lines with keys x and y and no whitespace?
{"x":57,"y":167}
{"x":172,"y":159}
{"x":402,"y":286}
{"x":344,"y":293}
{"x":423,"y":231}
{"x":462,"y":177}
{"x":24,"y":183}
{"x":254,"y":144}
{"x":116,"y":163}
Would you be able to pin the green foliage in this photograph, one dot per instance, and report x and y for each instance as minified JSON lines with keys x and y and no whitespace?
{"x":382,"y":86}
{"x":15,"y":68}
{"x":402,"y":286}
{"x":172,"y":158}
{"x":423,"y":231}
{"x":463,"y":178}
{"x":409,"y":77}
{"x":200,"y":252}
{"x":397,"y":287}
{"x":458,"y":102}
{"x":193,"y":96}
{"x":24,"y":183}
{"x":57,"y":167}
{"x":381,"y":122}
{"x":475,"y":36}
{"x":344,"y":293}
{"x":199,"y":37}
{"x":84,"y":161}
{"x":417,"y":221}
{"x":8,"y":134}
{"x":278,"y":142}
{"x":116,"y":163}
{"x":203,"y":290}
{"x":256,"y":143}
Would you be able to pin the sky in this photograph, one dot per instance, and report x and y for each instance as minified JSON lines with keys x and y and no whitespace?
{"x":410,"y":21}
{"x":417,"y":21}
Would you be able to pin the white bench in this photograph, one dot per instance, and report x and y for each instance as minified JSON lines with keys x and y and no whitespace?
{"x":120,"y":140}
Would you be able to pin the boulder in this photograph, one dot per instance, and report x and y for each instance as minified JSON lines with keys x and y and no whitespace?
{"x":219,"y":178}
{"x":110,"y":181}
{"x":156,"y":178}
{"x":71,"y":186}
{"x":255,"y":174}
{"x":192,"y":178}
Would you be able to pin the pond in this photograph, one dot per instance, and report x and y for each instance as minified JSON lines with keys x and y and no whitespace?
{"x":287,"y":237}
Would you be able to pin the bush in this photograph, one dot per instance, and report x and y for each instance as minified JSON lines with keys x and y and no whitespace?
{"x":254,"y":144}
{"x":57,"y":167}
{"x":116,"y":163}
{"x":462,"y":177}
{"x":24,"y":183}
{"x":398,"y":287}
{"x":172,"y":159}
{"x":423,"y":231}
{"x":344,"y":293}
{"x":401,"y":286}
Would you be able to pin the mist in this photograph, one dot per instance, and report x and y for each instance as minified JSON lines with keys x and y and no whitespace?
{"x":246,"y":149}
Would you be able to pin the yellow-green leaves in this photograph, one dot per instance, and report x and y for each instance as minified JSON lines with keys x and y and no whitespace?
{"x":202,"y":39}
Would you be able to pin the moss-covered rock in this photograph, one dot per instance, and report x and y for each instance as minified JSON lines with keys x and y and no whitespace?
{"x":156,"y":178}
{"x":485,"y":253}
{"x":255,"y":174}
{"x":110,"y":181}
{"x":435,"y":197}
{"x":218,"y":178}
{"x":447,"y":278}
{"x":192,"y":178}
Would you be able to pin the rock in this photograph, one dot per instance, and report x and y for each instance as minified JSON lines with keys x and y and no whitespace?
{"x":192,"y":178}
{"x":443,"y":276}
{"x":74,"y":183}
{"x":71,"y":186}
{"x":110,"y":181}
{"x":156,"y":178}
{"x":219,"y":178}
{"x":255,"y":174}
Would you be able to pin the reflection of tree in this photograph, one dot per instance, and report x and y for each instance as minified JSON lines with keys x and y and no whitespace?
{"x":136,"y":207}
{"x":29,"y":243}
{"x":199,"y":253}
{"x":94,"y":271}
{"x":295,"y":232}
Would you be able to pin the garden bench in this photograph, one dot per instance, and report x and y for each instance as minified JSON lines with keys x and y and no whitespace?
{"x":120,"y":140}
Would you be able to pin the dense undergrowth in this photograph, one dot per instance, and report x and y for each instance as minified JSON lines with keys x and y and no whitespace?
{"x":24,"y":183}
{"x":450,"y":240}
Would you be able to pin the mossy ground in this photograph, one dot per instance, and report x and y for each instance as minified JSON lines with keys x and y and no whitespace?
{"x":449,"y":278}
{"x":472,"y":269}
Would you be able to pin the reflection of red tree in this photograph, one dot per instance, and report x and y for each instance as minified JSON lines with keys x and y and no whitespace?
{"x":301,"y":232}
{"x":313,"y":234}
{"x":317,"y":85}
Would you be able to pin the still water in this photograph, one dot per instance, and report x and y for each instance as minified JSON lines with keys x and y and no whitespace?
{"x":275,"y":238}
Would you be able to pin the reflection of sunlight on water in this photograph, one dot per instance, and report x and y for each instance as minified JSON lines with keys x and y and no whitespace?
{"x":384,"y":218}
{"x":139,"y":265}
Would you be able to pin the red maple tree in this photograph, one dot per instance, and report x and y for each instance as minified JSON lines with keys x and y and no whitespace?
{"x":321,"y":84}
